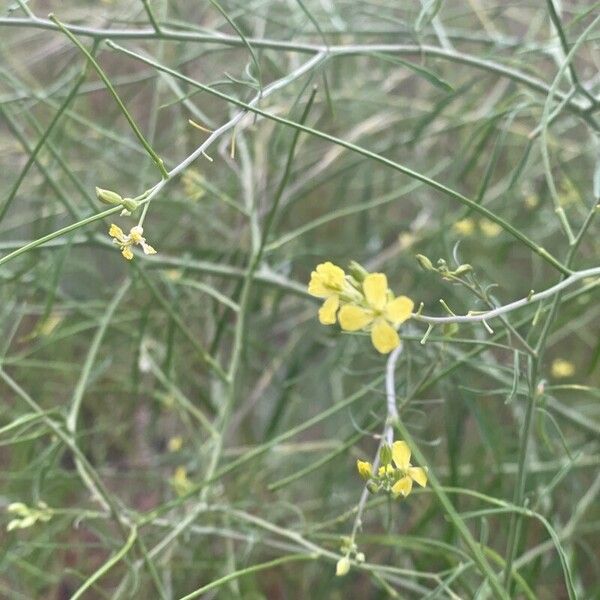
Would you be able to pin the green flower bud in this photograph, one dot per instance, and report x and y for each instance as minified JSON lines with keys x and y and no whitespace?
{"x":372,"y":487}
{"x":108,"y":197}
{"x":385,"y":455}
{"x":357,"y":271}
{"x":342,"y":567}
{"x":462,"y":269}
{"x":425,"y":263}
{"x":130,"y":204}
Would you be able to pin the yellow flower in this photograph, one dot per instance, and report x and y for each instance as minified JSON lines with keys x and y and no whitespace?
{"x":464,"y":226}
{"x":489,"y":228}
{"x":383,"y":313}
{"x":408,"y":473}
{"x":328,"y":281}
{"x":562,"y":368}
{"x":385,"y":470}
{"x":125,"y":242}
{"x":531,"y":201}
{"x":180,"y":482}
{"x":365,"y":469}
{"x":175,"y":443}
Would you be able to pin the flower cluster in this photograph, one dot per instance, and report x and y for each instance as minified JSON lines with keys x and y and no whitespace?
{"x":360,"y":301}
{"x":125,"y":242}
{"x":27,"y":516}
{"x":350,"y":552}
{"x":395,"y":475}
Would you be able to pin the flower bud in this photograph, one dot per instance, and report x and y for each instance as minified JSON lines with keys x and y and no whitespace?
{"x":108,"y":197}
{"x":130,"y":204}
{"x":462,"y":269}
{"x":342,"y":567}
{"x":364,"y":469}
{"x":357,"y":271}
{"x":385,"y":455}
{"x":372,"y":487}
{"x":425,"y":263}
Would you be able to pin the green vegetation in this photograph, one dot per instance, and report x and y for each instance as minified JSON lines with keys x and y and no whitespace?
{"x":176,"y":422}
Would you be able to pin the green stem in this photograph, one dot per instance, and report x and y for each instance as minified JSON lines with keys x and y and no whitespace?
{"x":109,"y":564}
{"x":33,"y":154}
{"x":151,"y":17}
{"x":539,"y":250}
{"x":157,"y":160}
{"x":534,"y":363}
{"x":476,"y":552}
{"x":246,"y":571}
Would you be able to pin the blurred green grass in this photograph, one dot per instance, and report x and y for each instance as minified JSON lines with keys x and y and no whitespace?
{"x":286,"y":484}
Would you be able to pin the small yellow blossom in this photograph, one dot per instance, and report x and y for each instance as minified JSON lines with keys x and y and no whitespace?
{"x":180,"y":482}
{"x":531,"y":201}
{"x":396,"y":475}
{"x":406,"y":240}
{"x":562,"y":368}
{"x":385,"y":470}
{"x":328,"y":281}
{"x":365,"y":469}
{"x":489,"y":228}
{"x":408,"y":473}
{"x":175,"y":443}
{"x":381,"y":312}
{"x":125,"y":242}
{"x":464,"y":227}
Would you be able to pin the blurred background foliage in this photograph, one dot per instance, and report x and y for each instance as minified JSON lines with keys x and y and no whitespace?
{"x":447,"y":105}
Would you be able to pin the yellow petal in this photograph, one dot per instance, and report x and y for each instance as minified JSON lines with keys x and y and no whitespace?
{"x":127,"y":253}
{"x":332,"y":275}
{"x":384,"y":337}
{"x":116,"y":232}
{"x":316,"y":286}
{"x":376,"y":288}
{"x":353,"y":318}
{"x":399,"y":310}
{"x":365,"y":469}
{"x":402,"y":487}
{"x":419,"y":475}
{"x":328,"y":311}
{"x":325,"y":280}
{"x":401,"y":455}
